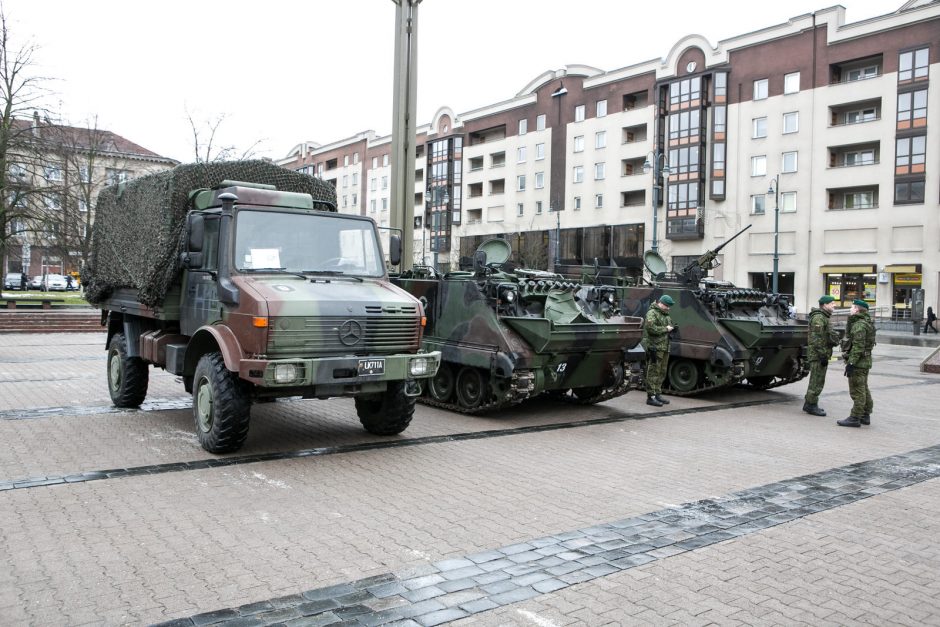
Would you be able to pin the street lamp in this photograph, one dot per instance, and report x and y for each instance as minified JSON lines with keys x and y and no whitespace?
{"x":553,"y":208}
{"x":775,"y":190}
{"x":659,"y":167}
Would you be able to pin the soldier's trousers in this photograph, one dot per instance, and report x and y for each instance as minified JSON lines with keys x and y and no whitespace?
{"x":861,"y":395}
{"x":817,"y":379}
{"x":656,"y":372}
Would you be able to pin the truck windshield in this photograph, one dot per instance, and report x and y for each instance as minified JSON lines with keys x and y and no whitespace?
{"x":305,"y":243}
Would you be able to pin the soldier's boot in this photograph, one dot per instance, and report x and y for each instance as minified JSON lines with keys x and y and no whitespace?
{"x":814,"y":409}
{"x":664,"y":401}
{"x":865,"y":420}
{"x":851,"y":421}
{"x":652,"y":400}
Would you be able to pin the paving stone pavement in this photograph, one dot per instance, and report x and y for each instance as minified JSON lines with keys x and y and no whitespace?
{"x":171,"y":546}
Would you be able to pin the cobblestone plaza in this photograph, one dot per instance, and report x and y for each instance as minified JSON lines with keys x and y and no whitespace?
{"x":730,"y":508}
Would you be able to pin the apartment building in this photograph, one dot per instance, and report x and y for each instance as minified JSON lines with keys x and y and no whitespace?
{"x":814,"y":132}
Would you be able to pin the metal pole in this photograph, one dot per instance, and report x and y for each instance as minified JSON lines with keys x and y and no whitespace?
{"x":656,"y":198}
{"x":776,"y":232}
{"x":404,"y":98}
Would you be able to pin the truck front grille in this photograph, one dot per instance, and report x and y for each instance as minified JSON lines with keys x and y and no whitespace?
{"x":324,"y":336}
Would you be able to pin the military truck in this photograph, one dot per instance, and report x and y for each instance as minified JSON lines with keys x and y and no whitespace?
{"x":725,"y":335}
{"x":508,"y":334}
{"x":242,"y":279}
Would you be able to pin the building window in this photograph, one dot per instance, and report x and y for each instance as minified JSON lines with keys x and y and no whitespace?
{"x":372,"y":184}
{"x":600,"y":170}
{"x":355,"y":200}
{"x":791,"y":122}
{"x":520,"y":154}
{"x":913,"y":65}
{"x":718,"y":188}
{"x":598,"y":201}
{"x":345,"y":201}
{"x":789,"y":162}
{"x":375,"y":162}
{"x":355,"y":179}
{"x":719,"y":115}
{"x":577,"y":203}
{"x":372,"y":206}
{"x":539,"y":152}
{"x":579,"y":113}
{"x":685,"y":160}
{"x":860,"y":200}
{"x":600,"y":139}
{"x":861,"y":115}
{"x":520,"y":183}
{"x":685,"y":91}
{"x":757,"y":204}
{"x":53,"y":173}
{"x":759,"y":166}
{"x":384,"y":203}
{"x":760,"y":89}
{"x":523,"y":126}
{"x":859,"y":157}
{"x":601,"y":108}
{"x":385,"y":182}
{"x":520,"y":209}
{"x":910,"y":155}
{"x":345,"y":180}
{"x":684,"y":124}
{"x":862,"y":73}
{"x":759,"y":128}
{"x":355,"y":158}
{"x":791,"y":83}
{"x":718,"y":158}
{"x":578,"y":173}
{"x":721,"y":85}
{"x":539,"y":180}
{"x":909,"y":192}
{"x":912,"y":109}
{"x":82,"y":205}
{"x":538,"y":206}
{"x":579,"y":143}
{"x":788,"y":202}
{"x":385,"y":160}
{"x":540,"y":123}
{"x":345,"y":160}
{"x":683,"y":196}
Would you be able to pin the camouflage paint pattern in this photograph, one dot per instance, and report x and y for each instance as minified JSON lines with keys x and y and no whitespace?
{"x":857,"y":347}
{"x":549,"y":335}
{"x":335,"y":329}
{"x":862,"y":404}
{"x":656,"y":344}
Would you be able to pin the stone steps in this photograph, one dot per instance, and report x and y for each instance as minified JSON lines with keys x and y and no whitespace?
{"x":46,"y":321}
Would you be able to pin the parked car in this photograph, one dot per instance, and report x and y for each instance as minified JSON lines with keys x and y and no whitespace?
{"x":54,"y":283}
{"x":35,"y":283}
{"x":12,"y":281}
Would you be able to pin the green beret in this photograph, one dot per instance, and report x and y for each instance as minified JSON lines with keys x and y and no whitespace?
{"x":666,"y":299}
{"x":824,"y":300}
{"x":860,"y":303}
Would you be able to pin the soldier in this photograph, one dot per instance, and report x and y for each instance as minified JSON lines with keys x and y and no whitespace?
{"x":821,"y":340}
{"x":856,"y":350}
{"x":656,"y":343}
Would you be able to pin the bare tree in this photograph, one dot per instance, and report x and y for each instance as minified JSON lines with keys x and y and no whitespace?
{"x":22,"y":160}
{"x":206,"y":146}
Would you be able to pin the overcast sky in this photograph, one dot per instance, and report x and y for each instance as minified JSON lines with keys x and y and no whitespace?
{"x":286,"y":71}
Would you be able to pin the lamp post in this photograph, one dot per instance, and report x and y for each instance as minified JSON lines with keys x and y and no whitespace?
{"x":557,"y":213}
{"x":775,"y":190}
{"x":659,"y":167}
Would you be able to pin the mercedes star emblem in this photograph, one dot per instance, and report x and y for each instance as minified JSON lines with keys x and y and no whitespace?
{"x":350,"y":333}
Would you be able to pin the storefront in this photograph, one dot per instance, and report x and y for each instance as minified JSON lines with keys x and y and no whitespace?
{"x":848,"y":283}
{"x":904,"y":279}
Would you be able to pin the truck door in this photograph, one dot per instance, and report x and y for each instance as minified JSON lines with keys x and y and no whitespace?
{"x":200,"y":302}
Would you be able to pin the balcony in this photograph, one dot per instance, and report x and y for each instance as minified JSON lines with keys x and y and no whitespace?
{"x":475,"y":190}
{"x":497,"y":159}
{"x":858,"y":112}
{"x":497,"y":187}
{"x":633,"y":199}
{"x":850,"y":198}
{"x":855,"y":70}
{"x":493,"y":134}
{"x":633,"y":134}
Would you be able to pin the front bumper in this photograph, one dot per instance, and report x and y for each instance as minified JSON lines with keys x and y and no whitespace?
{"x":352,"y":373}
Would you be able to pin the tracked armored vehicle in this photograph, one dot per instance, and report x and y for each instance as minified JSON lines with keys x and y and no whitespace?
{"x":725,"y":335}
{"x":508,"y":334}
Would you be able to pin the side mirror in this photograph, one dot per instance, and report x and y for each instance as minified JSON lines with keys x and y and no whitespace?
{"x":394,"y":249}
{"x":197,"y":231}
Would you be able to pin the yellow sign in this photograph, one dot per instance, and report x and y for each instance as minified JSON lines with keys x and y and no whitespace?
{"x":835,"y":291}
{"x":907,"y":279}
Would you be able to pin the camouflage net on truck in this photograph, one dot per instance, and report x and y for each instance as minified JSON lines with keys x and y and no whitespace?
{"x":138,"y":232}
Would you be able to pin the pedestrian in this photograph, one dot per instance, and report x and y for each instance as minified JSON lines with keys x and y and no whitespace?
{"x":656,"y":331}
{"x":68,"y":282}
{"x":23,"y":281}
{"x":856,"y":350}
{"x":822,"y":338}
{"x":931,"y":321}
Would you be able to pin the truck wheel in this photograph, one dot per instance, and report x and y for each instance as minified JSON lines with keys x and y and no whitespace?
{"x":386,"y":413}
{"x":127,"y":376}
{"x":221,"y":406}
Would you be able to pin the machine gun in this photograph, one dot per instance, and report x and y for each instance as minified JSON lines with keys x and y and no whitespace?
{"x":697,"y":270}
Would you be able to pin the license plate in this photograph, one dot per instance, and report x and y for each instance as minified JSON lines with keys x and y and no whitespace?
{"x":371,"y":366}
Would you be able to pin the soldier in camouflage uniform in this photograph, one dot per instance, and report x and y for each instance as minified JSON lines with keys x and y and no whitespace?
{"x":821,"y":340}
{"x":656,"y":331}
{"x":856,"y":350}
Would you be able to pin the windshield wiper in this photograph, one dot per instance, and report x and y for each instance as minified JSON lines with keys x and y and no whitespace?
{"x":331,"y":273}
{"x":273,"y":271}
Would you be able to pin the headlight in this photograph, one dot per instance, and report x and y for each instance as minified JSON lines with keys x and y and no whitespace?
{"x":286,"y":373}
{"x":509,"y":296}
{"x":419,"y":366}
{"x":610,"y":297}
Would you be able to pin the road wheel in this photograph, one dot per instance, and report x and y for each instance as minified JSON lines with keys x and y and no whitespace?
{"x":441,"y":385}
{"x":386,"y":413}
{"x":221,"y":406}
{"x":684,"y":375}
{"x":127,"y":376}
{"x":471,"y":387}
